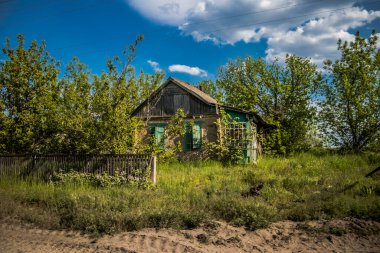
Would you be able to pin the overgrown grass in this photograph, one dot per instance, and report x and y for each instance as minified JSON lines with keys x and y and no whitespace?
{"x":302,"y":187}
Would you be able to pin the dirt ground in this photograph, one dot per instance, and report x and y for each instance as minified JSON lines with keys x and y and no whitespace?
{"x":347,"y":235}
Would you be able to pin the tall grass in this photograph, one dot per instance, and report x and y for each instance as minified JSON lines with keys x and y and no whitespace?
{"x":302,"y":187}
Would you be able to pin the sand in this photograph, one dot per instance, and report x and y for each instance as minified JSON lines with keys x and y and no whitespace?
{"x":347,"y":235}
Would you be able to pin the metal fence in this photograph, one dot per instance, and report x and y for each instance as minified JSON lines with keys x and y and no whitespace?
{"x":43,"y":166}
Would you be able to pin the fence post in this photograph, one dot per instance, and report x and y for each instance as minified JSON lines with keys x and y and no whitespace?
{"x":153,"y":169}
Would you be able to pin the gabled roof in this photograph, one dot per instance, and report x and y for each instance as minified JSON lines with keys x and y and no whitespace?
{"x":204,"y":97}
{"x":201,"y":96}
{"x":193,"y":90}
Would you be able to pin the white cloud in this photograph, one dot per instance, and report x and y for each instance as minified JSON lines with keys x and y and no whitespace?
{"x":171,"y":12}
{"x":302,"y":27}
{"x":154,"y":65}
{"x":194,"y":71}
{"x":318,"y":38}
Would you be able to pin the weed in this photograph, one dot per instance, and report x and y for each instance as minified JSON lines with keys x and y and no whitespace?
{"x":337,"y":231}
{"x":302,"y":187}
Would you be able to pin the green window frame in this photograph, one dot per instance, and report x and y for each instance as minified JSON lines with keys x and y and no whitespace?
{"x":193,"y":136}
{"x":157,"y":131}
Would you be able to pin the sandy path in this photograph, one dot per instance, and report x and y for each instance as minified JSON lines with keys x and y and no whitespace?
{"x":349,"y":235}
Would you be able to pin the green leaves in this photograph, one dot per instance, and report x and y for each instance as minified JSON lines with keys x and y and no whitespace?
{"x":29,"y":85}
{"x":280,"y":93}
{"x":351,"y":115}
{"x":78,"y":113}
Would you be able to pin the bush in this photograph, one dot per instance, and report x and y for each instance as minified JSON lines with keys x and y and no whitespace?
{"x":227,"y":155}
{"x":141,"y":179}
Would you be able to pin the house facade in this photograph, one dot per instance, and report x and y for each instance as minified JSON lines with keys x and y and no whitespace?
{"x":203,"y":115}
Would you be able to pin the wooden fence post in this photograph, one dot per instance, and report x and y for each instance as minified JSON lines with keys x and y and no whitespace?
{"x":153,"y":169}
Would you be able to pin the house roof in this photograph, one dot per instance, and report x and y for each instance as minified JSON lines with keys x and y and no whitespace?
{"x":195,"y":91}
{"x":257,"y":119}
{"x":203,"y":97}
{"x":184,"y":85}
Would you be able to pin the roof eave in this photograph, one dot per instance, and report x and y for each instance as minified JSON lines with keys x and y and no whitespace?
{"x":260,"y":120}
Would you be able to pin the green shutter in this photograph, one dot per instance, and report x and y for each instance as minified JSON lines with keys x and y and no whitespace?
{"x":157,"y":130}
{"x":159,"y":135}
{"x":197,"y":135}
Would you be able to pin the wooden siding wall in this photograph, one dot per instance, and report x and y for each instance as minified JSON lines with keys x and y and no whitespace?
{"x":170,"y":99}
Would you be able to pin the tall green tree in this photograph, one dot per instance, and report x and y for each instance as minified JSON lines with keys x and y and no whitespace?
{"x":281,"y":94}
{"x":3,"y":119}
{"x":78,"y":113}
{"x":351,"y":108}
{"x":116,"y":95}
{"x":29,"y":88}
{"x":75,"y":110}
{"x":98,"y":108}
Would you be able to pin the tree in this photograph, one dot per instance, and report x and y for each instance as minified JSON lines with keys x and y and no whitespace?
{"x":100,"y":107}
{"x":114,"y":99}
{"x":78,"y":113}
{"x":281,"y":94}
{"x":209,"y":87}
{"x":351,"y":105}
{"x":75,"y":106}
{"x":29,"y":88}
{"x":3,"y":120}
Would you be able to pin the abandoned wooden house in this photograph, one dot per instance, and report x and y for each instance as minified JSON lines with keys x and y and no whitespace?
{"x":203,"y":112}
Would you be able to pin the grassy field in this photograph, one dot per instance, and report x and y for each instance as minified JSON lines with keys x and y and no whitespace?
{"x":301,"y":187}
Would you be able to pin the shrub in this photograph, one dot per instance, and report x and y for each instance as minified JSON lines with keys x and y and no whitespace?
{"x":139,"y":178}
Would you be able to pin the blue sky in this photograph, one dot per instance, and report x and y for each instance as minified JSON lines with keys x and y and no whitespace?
{"x":188,"y":39}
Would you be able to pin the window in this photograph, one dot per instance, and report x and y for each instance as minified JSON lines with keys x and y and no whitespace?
{"x":157,"y":132}
{"x":238,"y":134}
{"x":193,"y":136}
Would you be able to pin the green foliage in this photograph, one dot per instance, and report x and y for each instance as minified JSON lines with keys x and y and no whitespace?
{"x":137,"y":178}
{"x":176,"y":127}
{"x":28,"y":95}
{"x":78,"y":113}
{"x":225,"y":149}
{"x":174,"y":132}
{"x":210,"y":87}
{"x":252,"y":215}
{"x":281,"y":94}
{"x":99,"y":110}
{"x":226,"y":154}
{"x":351,"y":114}
{"x":298,"y":188}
